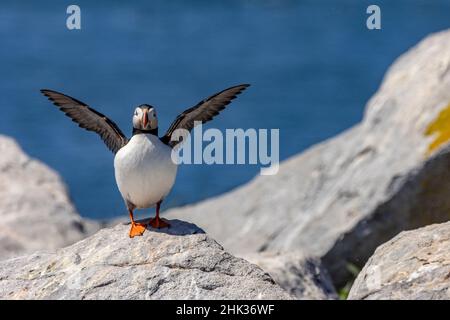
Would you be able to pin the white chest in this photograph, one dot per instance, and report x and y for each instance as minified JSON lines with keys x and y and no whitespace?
{"x":144,"y":170}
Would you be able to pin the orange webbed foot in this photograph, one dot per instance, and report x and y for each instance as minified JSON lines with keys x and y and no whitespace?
{"x":137,"y":229}
{"x":159,"y":223}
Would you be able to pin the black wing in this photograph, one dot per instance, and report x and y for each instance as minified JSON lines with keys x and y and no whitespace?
{"x":204,"y":111}
{"x":88,"y":119}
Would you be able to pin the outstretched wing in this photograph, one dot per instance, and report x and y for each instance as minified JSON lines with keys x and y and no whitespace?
{"x":204,"y":111}
{"x":88,"y":119}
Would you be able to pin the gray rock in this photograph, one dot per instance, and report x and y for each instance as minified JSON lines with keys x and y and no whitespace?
{"x":342,"y":198}
{"x":413,"y":265}
{"x":35,"y":210}
{"x":177,"y":263}
{"x":303,"y":277}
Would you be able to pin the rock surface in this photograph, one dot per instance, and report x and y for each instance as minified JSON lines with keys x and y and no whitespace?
{"x":304,"y":278}
{"x":35,"y":210}
{"x":342,"y":198}
{"x":413,"y":265}
{"x":179,"y":263}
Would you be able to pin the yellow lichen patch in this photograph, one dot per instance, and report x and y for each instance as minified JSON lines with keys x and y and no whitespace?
{"x":440,"y":127}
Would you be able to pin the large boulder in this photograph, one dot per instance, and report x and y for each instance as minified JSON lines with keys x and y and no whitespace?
{"x":35,"y":210}
{"x":413,"y":265}
{"x":342,"y":198}
{"x":177,"y":263}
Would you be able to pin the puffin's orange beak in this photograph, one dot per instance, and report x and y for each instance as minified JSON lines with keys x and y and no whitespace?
{"x":144,"y":120}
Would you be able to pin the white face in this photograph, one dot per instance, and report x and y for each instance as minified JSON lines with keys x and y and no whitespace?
{"x":144,"y":118}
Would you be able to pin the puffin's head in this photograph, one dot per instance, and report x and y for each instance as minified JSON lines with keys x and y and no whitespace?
{"x":144,"y":118}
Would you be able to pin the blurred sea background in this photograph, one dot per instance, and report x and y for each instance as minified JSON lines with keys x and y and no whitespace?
{"x":312,"y":65}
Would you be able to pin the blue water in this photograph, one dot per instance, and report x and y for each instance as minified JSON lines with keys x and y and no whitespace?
{"x":312,"y":66}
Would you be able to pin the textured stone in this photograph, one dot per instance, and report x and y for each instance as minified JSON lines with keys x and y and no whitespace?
{"x":413,"y":265}
{"x":177,"y":263}
{"x":304,"y":278}
{"x":35,"y":210}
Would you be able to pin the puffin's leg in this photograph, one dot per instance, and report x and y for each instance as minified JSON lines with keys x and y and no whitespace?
{"x":137,"y":229}
{"x":157,"y":222}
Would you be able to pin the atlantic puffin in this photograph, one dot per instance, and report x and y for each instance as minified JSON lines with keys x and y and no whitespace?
{"x":143,"y":166}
